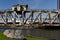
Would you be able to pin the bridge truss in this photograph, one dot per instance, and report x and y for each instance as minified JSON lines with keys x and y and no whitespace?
{"x":28,"y":18}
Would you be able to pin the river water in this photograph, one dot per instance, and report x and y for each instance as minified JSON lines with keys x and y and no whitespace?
{"x":44,"y":33}
{"x":50,"y":34}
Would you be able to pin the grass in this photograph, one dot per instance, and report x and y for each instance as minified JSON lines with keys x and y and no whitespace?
{"x":36,"y":38}
{"x":2,"y":37}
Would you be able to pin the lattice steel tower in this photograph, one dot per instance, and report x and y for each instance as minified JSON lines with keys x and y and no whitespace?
{"x":58,"y":4}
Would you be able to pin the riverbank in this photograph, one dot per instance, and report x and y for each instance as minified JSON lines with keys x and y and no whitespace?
{"x":2,"y":37}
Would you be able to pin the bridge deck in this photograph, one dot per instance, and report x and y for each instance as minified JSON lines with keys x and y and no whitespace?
{"x":29,"y":25}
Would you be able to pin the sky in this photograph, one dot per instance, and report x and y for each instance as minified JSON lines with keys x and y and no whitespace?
{"x":32,"y":4}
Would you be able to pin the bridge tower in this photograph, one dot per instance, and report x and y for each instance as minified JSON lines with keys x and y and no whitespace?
{"x":18,"y":8}
{"x":58,"y":7}
{"x":58,"y":4}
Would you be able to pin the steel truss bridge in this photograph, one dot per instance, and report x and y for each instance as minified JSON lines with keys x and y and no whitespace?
{"x":28,"y":18}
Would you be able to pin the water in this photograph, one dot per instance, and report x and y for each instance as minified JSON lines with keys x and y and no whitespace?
{"x":50,"y":34}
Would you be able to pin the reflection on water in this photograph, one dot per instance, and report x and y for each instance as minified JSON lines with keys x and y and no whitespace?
{"x":50,"y":34}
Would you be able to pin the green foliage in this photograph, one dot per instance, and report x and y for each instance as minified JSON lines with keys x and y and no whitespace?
{"x":2,"y":37}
